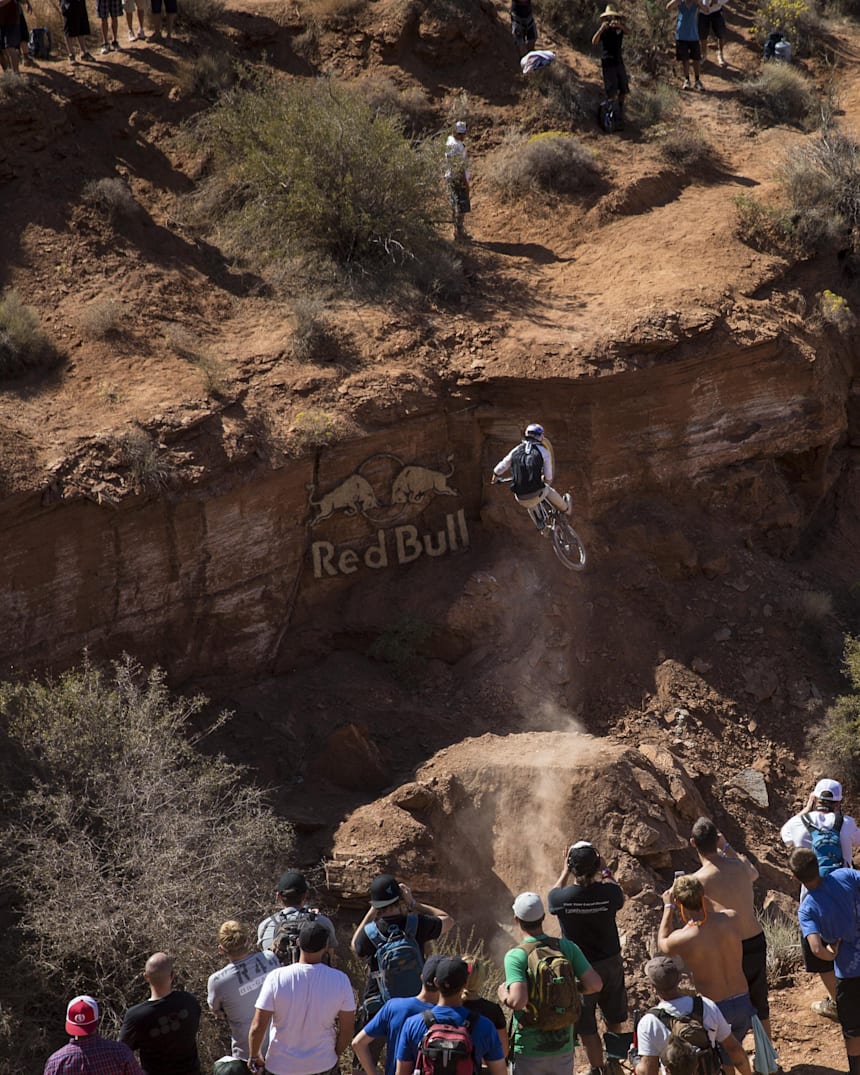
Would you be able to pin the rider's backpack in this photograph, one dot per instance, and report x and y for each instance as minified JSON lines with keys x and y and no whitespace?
{"x":826,"y":843}
{"x":285,"y":943}
{"x":527,"y":469}
{"x":446,"y":1048}
{"x":554,"y":1001}
{"x":689,"y":1034}
{"x":398,"y":958}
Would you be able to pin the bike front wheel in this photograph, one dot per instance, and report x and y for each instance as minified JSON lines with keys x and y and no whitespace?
{"x":568,"y":548}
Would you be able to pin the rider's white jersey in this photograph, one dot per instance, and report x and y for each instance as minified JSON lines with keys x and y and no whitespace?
{"x":500,"y":468}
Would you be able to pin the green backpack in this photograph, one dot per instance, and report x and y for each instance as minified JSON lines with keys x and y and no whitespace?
{"x":554,"y":998}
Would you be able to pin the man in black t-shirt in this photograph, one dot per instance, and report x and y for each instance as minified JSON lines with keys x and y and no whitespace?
{"x":610,"y":37}
{"x":391,"y":904}
{"x":164,"y":1028}
{"x":586,"y":910}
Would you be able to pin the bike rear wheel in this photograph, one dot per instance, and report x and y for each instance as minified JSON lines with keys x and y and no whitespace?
{"x":568,"y":548}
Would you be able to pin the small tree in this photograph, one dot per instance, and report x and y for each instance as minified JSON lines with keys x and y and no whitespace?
{"x":836,"y":741}
{"x":129,"y":841}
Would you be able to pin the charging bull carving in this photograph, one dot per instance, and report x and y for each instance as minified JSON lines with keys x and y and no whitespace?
{"x":413,"y":484}
{"x":355,"y":494}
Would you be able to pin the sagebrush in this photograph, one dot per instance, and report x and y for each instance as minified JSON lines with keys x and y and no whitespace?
{"x":553,"y":161}
{"x":835,"y":743}
{"x":780,"y":94}
{"x":112,"y":197}
{"x":129,"y":840}
{"x":822,"y":183}
{"x":23,"y":344}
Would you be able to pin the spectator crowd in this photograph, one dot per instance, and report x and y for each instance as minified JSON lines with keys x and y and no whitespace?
{"x":291,"y":1011}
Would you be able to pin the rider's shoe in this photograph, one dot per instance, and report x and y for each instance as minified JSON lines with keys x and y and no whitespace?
{"x":568,"y":504}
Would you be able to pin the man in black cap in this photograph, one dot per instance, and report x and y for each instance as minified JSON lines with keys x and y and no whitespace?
{"x":311,"y":1007}
{"x":585,"y":900}
{"x":292,"y":894}
{"x":393,"y":907}
{"x":451,"y":977}
{"x":655,"y":1027}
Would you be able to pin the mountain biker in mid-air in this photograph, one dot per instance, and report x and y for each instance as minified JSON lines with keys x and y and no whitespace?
{"x":530,"y":464}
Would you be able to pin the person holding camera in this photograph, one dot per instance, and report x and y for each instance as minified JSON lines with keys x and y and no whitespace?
{"x":586,"y":899}
{"x":610,"y":37}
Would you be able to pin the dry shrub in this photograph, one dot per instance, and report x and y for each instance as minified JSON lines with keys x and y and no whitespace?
{"x":23,"y":344}
{"x":575,"y":20}
{"x":314,"y":428}
{"x":103,"y":317}
{"x":685,"y":147}
{"x":765,"y":227}
{"x":201,"y":13}
{"x":148,"y":468}
{"x":411,"y":106}
{"x":822,"y":183}
{"x":558,"y":96}
{"x":553,"y":161}
{"x":189,"y":346}
{"x":128,"y":841}
{"x":784,"y":955}
{"x":780,"y":94}
{"x":111,"y":197}
{"x":835,"y":742}
{"x":210,"y":74}
{"x":648,"y":35}
{"x":651,"y":105}
{"x":13,"y":87}
{"x":330,"y":12}
{"x":312,"y":334}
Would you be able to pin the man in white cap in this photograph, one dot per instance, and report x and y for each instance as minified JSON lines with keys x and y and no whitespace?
{"x":457,"y":177}
{"x":88,"y":1050}
{"x":654,"y":1029}
{"x":817,"y":826}
{"x":536,"y":1050}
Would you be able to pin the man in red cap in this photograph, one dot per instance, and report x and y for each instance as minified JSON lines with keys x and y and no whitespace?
{"x":88,"y":1053}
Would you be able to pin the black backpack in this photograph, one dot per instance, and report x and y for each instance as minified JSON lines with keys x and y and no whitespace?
{"x":40,"y":43}
{"x":770,"y":43}
{"x":690,"y":1033}
{"x":285,"y":943}
{"x":610,"y":116}
{"x":527,"y":469}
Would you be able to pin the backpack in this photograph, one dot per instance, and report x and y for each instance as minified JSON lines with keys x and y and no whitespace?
{"x":826,"y":844}
{"x":446,"y":1049}
{"x":770,"y":43}
{"x":40,"y":43}
{"x":527,"y":469}
{"x":554,"y":999}
{"x":609,"y":116}
{"x":285,"y":943}
{"x":689,"y":1031}
{"x":398,"y":958}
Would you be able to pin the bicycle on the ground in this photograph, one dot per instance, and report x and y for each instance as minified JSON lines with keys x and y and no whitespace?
{"x":553,"y":524}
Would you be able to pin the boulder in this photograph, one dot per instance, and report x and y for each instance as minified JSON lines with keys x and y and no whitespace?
{"x":753,"y":785}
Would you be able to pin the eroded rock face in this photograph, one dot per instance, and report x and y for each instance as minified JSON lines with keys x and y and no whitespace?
{"x":495,"y":815}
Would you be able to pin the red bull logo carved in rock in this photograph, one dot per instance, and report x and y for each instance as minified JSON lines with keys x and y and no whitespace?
{"x":384,"y":491}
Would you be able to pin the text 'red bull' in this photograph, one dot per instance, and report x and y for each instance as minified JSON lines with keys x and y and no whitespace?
{"x":401,"y":545}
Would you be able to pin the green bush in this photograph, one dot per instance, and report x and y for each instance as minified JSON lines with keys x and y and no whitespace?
{"x":780,"y":94}
{"x":648,"y":37}
{"x":835,"y":743}
{"x":552,"y":161}
{"x":23,"y":344}
{"x":128,"y":841}
{"x":312,"y":169}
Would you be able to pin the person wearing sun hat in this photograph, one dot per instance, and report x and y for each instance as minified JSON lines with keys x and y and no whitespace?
{"x":88,"y":1050}
{"x":610,"y":37}
{"x":824,"y":811}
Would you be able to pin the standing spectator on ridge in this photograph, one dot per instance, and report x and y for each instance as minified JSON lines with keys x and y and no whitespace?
{"x":109,"y":9}
{"x":610,"y":37}
{"x":457,"y":177}
{"x":712,"y":21}
{"x":163,"y":1029}
{"x":129,"y":7}
{"x":710,"y":945}
{"x":823,"y":814}
{"x":10,"y":35}
{"x":535,"y":1051}
{"x":76,"y":27}
{"x":232,"y":991}
{"x":828,"y":920}
{"x":158,"y":17}
{"x":727,"y":879}
{"x":391,"y":904}
{"x":304,"y":1002}
{"x":687,"y":45}
{"x":389,"y":1021}
{"x":585,"y":905}
{"x":87,"y":1051}
{"x":653,"y":1033}
{"x":523,"y":26}
{"x":451,"y":977}
{"x":292,"y":894}
{"x":475,"y":1001}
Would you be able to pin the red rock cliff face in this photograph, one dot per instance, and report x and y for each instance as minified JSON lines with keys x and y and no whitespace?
{"x":229,"y":581}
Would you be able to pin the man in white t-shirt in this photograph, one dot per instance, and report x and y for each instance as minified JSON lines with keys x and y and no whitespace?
{"x":653,"y":1034}
{"x":311,"y":1007}
{"x":823,"y":810}
{"x":233,"y":990}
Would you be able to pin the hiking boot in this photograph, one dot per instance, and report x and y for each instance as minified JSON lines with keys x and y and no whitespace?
{"x":826,"y":1007}
{"x":686,"y":85}
{"x":699,"y":85}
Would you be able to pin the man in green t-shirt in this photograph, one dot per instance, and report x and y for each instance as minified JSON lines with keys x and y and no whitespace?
{"x":535,"y":1051}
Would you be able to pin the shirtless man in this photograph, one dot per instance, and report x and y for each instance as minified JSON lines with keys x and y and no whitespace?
{"x":710,"y":945}
{"x":727,"y":878}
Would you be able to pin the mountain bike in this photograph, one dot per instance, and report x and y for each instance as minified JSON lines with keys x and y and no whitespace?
{"x":553,"y":524}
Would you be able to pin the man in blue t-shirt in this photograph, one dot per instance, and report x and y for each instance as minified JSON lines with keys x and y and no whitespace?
{"x":829,"y":916}
{"x":687,"y":45}
{"x":451,"y":977}
{"x":389,"y":1020}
